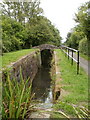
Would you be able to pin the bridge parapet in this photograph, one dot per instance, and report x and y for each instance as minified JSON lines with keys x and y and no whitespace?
{"x":46,"y":46}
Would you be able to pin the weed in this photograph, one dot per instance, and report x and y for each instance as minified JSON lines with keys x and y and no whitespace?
{"x":16,"y":98}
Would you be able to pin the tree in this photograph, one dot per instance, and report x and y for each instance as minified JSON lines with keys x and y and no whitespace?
{"x":42,"y":32}
{"x":24,"y":26}
{"x":81,"y":31}
{"x":21,"y":11}
{"x":67,"y":42}
{"x":83,"y":18}
{"x":11,"y":34}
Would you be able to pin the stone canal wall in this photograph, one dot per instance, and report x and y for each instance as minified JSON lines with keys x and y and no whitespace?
{"x":57,"y":78}
{"x":28,"y":65}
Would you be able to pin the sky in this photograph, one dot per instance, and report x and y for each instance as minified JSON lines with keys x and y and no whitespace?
{"x":61,"y":13}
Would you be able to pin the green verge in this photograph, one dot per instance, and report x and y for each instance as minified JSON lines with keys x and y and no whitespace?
{"x":85,"y":56}
{"x":75,"y":88}
{"x":10,"y":57}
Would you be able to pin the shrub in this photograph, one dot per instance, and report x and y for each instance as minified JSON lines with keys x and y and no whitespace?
{"x":83,"y":46}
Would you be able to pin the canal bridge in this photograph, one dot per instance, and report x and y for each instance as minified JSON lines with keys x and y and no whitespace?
{"x":46,"y":46}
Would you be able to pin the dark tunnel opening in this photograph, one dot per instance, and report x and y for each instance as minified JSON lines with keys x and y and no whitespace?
{"x":46,"y":57}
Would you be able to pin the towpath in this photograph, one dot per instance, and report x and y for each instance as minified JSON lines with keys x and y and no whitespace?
{"x":83,"y":63}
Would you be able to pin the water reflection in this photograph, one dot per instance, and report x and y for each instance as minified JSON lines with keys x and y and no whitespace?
{"x":41,"y":86}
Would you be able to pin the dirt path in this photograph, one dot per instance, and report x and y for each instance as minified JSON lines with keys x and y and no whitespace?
{"x":83,"y":63}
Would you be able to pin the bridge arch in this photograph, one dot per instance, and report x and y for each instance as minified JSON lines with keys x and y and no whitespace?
{"x":46,"y":46}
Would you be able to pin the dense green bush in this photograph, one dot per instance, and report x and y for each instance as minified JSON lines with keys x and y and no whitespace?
{"x":83,"y":46}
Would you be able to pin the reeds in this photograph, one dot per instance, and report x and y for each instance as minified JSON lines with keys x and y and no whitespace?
{"x":16,"y":98}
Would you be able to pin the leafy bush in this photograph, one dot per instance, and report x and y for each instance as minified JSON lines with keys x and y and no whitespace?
{"x":83,"y":46}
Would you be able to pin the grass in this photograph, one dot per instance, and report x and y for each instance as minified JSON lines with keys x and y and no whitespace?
{"x":85,"y":56}
{"x":79,"y":112}
{"x":16,"y":98}
{"x":10,"y":57}
{"x":75,"y":85}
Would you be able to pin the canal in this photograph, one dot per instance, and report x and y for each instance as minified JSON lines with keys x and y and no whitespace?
{"x":42,"y":84}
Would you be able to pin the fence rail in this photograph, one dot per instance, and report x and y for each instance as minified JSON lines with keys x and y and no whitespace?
{"x":67,"y":51}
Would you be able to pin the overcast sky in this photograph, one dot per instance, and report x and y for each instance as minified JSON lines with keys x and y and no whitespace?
{"x":61,"y":13}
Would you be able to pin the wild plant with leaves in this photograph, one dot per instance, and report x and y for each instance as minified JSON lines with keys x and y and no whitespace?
{"x":16,"y":98}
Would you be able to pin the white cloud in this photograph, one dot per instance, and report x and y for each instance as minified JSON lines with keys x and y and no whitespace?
{"x":61,"y":13}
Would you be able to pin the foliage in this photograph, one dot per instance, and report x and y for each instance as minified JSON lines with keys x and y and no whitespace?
{"x":74,"y":40}
{"x":11,"y":34}
{"x":83,"y":46}
{"x":83,"y":18}
{"x":74,"y":37}
{"x":23,"y":26}
{"x":21,"y":11}
{"x":82,"y":29}
{"x":16,"y":98}
{"x":43,"y":32}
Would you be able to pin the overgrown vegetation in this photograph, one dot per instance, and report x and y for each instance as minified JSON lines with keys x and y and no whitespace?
{"x":74,"y":88}
{"x":83,"y":46}
{"x":16,"y":98}
{"x":10,"y":57}
{"x":24,"y":26}
{"x":79,"y":37}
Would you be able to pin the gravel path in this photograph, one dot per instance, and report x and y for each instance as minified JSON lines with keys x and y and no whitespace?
{"x":84,"y":64}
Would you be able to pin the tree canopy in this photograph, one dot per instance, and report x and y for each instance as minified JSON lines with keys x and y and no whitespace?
{"x":79,"y":36}
{"x":24,"y":26}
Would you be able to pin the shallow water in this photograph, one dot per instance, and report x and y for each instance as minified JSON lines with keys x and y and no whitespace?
{"x":42,"y":88}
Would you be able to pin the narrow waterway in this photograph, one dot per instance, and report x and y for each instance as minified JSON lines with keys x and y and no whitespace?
{"x":42,"y":86}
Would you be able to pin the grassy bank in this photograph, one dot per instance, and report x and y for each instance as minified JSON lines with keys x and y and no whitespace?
{"x":10,"y":57}
{"x":74,"y":89}
{"x":85,"y":56}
